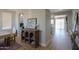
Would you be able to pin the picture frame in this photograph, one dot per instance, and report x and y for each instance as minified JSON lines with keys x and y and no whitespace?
{"x":31,"y":23}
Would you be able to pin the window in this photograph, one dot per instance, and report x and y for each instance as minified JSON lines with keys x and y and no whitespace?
{"x":60,"y":24}
{"x":6,"y":21}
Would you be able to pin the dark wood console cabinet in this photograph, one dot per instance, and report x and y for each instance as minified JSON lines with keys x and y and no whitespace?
{"x":32,"y":36}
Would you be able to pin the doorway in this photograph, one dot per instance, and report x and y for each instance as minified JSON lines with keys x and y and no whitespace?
{"x":60,"y":23}
{"x":60,"y":39}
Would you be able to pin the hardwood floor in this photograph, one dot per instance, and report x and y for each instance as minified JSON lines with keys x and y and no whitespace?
{"x":61,"y":41}
{"x":26,"y":46}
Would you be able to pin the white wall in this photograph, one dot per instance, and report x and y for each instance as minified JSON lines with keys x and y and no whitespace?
{"x":48,"y":27}
{"x":0,"y":21}
{"x":74,"y":13}
{"x":43,"y":21}
{"x":73,"y":22}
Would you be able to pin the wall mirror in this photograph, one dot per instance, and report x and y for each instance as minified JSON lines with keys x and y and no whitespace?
{"x":32,"y":23}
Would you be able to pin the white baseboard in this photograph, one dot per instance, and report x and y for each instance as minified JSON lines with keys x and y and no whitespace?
{"x":48,"y":42}
{"x":42,"y":44}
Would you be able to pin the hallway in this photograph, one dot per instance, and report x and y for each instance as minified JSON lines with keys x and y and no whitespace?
{"x":61,"y":39}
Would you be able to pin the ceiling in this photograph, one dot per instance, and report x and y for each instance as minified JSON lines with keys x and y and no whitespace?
{"x":51,"y":10}
{"x":58,"y":10}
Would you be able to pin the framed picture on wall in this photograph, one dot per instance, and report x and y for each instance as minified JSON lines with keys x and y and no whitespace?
{"x":31,"y":23}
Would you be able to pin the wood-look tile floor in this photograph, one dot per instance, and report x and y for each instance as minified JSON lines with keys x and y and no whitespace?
{"x":27,"y":46}
{"x":61,"y":40}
